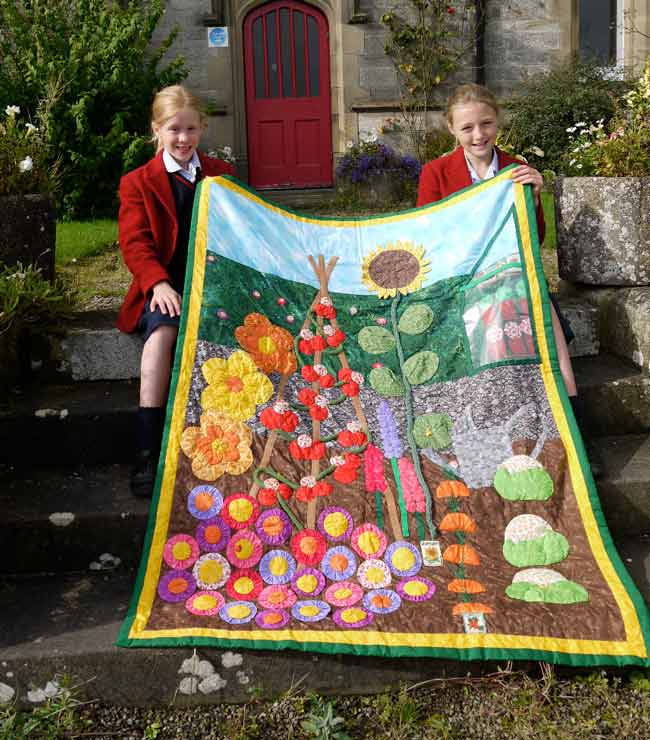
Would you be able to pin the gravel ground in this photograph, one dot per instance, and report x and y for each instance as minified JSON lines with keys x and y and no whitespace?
{"x":508,"y":705}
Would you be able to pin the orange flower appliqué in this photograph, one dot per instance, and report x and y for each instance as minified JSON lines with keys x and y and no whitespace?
{"x":220,"y":445}
{"x":270,"y":346}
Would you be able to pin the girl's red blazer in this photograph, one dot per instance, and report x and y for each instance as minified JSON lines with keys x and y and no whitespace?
{"x":449,"y":174}
{"x":148,"y":227}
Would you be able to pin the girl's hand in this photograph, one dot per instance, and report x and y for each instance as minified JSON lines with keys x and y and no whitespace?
{"x":166,"y":299}
{"x":526,"y":175}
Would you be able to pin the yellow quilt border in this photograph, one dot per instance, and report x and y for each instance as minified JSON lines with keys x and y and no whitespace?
{"x":634,"y":645}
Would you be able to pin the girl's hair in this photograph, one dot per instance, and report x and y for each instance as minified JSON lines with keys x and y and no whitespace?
{"x":168,"y":102}
{"x":471,"y":93}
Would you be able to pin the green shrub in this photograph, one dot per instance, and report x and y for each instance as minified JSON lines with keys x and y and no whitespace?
{"x":437,"y":142}
{"x":546,"y":105}
{"x":620,"y":148}
{"x":97,"y":54}
{"x":31,"y":307}
{"x":25,"y":166}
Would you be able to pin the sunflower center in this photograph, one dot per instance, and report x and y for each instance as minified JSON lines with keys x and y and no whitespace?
{"x":266,"y":345}
{"x":394,"y":268}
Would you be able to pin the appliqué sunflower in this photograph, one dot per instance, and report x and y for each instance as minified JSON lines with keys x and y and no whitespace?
{"x":393,"y":268}
{"x":235,"y":386}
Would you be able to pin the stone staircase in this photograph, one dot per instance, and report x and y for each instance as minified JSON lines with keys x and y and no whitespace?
{"x":72,"y":533}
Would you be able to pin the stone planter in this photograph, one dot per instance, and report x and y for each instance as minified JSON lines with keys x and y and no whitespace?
{"x":29,"y":231}
{"x":603,"y":230}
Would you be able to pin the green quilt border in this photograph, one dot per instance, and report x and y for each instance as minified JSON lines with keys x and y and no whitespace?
{"x":462,"y":654}
{"x":642,"y":609}
{"x":123,"y":639}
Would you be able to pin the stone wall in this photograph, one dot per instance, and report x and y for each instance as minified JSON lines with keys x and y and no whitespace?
{"x":522,"y":37}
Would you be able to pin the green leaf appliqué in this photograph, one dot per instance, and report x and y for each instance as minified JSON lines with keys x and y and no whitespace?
{"x":416,"y":319}
{"x":375,"y":340}
{"x":385,"y":382}
{"x":421,"y":367}
{"x":433,"y":430}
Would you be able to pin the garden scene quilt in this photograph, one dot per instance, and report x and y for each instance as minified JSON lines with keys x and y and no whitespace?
{"x":369,"y":448}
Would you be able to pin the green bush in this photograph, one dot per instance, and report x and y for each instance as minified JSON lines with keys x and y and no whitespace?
{"x":546,"y":105}
{"x":97,"y":54}
{"x":31,"y":307}
{"x":437,"y":141}
{"x":620,"y":148}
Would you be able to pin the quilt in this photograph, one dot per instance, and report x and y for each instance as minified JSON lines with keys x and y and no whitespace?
{"x":369,"y":448}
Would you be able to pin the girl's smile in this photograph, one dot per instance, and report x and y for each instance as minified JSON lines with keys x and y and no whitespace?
{"x":475,"y":126}
{"x":180,"y":135}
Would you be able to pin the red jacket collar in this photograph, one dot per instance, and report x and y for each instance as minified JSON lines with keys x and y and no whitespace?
{"x":458,"y":164}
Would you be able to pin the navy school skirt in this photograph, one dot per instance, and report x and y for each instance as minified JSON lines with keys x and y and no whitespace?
{"x":151,"y":320}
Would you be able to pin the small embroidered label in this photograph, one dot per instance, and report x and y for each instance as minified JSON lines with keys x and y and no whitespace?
{"x":431,"y":553}
{"x":475,"y":623}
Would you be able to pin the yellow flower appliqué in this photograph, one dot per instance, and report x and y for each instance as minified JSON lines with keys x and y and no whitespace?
{"x":220,"y":445}
{"x":235,"y":386}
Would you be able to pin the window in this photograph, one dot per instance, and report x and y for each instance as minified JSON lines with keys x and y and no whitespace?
{"x":600,"y":25}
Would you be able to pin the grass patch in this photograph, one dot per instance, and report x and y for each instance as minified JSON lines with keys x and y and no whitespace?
{"x":100,"y":281}
{"x":76,"y":240}
{"x":548,"y":206}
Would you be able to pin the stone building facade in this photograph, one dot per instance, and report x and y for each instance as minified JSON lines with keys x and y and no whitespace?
{"x":519,"y":37}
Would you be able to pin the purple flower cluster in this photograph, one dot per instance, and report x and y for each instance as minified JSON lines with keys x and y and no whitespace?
{"x":368,"y":159}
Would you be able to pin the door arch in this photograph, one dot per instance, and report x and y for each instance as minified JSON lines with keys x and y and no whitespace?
{"x":288,"y":112}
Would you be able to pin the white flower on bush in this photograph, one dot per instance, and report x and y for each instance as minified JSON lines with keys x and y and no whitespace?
{"x":369,"y":137}
{"x":26,"y":164}
{"x":571,"y":129}
{"x":31,"y":129}
{"x":12,"y":110}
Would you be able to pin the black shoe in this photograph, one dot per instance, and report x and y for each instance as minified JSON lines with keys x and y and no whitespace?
{"x":143,"y":474}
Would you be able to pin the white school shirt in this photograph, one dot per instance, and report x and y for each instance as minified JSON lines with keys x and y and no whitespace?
{"x":171,"y":165}
{"x":491,"y":170}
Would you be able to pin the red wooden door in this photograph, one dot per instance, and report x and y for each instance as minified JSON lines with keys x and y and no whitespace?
{"x":288,"y":96}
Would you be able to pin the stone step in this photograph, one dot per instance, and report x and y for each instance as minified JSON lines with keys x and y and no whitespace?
{"x":583,"y":318}
{"x":66,"y":424}
{"x":74,"y":628}
{"x":93,"y":349}
{"x":623,"y":320}
{"x":63,"y":518}
{"x":616,"y":395}
{"x":70,"y":518}
{"x":93,"y":421}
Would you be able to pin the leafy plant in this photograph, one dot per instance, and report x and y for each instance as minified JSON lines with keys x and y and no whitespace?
{"x":98,"y":55}
{"x":426,"y":43}
{"x":57,"y":717}
{"x":371,"y":157}
{"x":30,"y":307}
{"x":322,"y":724}
{"x":224,"y":153}
{"x":24,"y":165}
{"x":548,"y":104}
{"x":620,"y":147}
{"x":437,"y":141}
